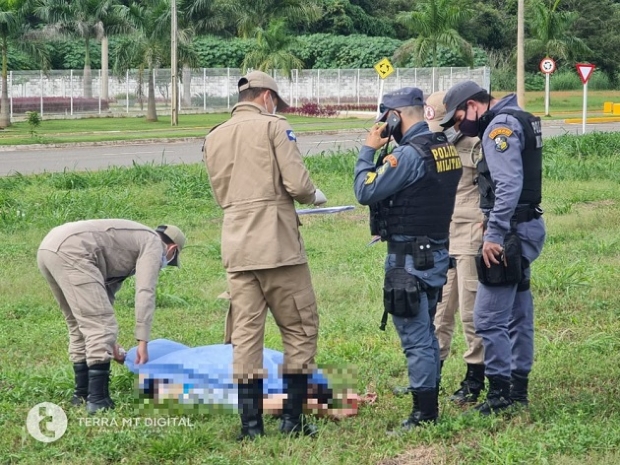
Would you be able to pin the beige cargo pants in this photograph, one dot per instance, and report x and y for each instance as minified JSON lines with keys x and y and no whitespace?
{"x":79,"y":289}
{"x":287,"y":291}
{"x":459,"y":293}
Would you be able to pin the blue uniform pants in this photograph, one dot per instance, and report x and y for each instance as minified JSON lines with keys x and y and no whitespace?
{"x":417,"y":333}
{"x":504,"y":318}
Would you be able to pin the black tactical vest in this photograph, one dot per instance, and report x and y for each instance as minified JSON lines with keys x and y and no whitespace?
{"x":532,"y":164}
{"x":424,"y":208}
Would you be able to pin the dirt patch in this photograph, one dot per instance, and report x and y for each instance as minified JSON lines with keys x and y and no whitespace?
{"x":423,"y":455}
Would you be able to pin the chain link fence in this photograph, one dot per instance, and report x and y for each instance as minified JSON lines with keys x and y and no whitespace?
{"x":72,"y":93}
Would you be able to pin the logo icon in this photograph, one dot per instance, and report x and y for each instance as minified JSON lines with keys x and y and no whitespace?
{"x":46,"y":422}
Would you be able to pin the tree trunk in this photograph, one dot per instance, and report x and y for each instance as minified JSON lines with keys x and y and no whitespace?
{"x":104,"y":68}
{"x":187,"y":89}
{"x":5,"y":112}
{"x":88,"y":82}
{"x":151,"y":111}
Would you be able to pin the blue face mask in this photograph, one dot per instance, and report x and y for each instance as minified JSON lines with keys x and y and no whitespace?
{"x":164,"y":261}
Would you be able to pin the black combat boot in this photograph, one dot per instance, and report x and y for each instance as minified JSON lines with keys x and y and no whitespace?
{"x":98,"y":388}
{"x":498,"y":397}
{"x":80,"y":371}
{"x":293,"y":421}
{"x":251,"y":409}
{"x":425,"y":409}
{"x":518,"y":388}
{"x":471,"y":386}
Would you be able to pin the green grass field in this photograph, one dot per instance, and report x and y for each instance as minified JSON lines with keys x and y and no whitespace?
{"x":574,"y":416}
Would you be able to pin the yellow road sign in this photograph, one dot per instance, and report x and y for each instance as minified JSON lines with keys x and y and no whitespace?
{"x":384,"y":68}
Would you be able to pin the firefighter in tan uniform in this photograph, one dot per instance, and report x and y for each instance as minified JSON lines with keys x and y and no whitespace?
{"x":85,"y":264}
{"x":459,"y":291}
{"x":256,"y":173}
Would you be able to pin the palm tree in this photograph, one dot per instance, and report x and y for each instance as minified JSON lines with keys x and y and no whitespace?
{"x":251,"y":15}
{"x":10,"y":22}
{"x":272,"y":50}
{"x":89,"y":20}
{"x":551,"y":32}
{"x":15,"y":31}
{"x":149,"y":45}
{"x":434,"y":23}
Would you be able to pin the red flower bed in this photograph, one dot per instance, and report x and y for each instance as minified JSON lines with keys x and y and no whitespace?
{"x":57,"y":104}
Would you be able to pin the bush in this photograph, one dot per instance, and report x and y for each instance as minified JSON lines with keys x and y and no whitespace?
{"x":312,"y":109}
{"x":565,"y":80}
{"x":57,"y":104}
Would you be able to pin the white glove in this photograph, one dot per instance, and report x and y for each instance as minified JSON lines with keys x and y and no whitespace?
{"x":319,"y":198}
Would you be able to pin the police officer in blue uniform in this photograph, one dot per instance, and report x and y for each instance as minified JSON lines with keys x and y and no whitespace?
{"x":411,"y":194}
{"x":510,"y":184}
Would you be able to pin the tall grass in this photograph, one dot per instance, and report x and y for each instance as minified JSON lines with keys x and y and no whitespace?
{"x":575,"y":408}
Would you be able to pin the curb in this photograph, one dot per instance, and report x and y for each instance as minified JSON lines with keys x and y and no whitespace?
{"x":599,"y":119}
{"x":175,"y":140}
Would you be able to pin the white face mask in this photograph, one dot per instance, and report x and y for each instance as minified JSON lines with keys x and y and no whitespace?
{"x":273,"y":105}
{"x":164,"y":261}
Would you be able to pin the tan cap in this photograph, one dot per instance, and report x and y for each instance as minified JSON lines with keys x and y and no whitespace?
{"x":434,"y":111}
{"x":175,"y":235}
{"x":260,"y":80}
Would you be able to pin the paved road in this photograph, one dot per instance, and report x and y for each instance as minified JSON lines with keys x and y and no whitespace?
{"x":36,"y":160}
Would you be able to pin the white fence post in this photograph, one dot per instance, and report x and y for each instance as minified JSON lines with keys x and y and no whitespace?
{"x":204,"y":89}
{"x":228,"y":88}
{"x":100,"y":91}
{"x":41,"y":93}
{"x":10,"y":89}
{"x":71,"y":90}
{"x":127,"y":92}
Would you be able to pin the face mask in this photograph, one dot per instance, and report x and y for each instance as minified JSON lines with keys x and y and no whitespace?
{"x":273,"y":105}
{"x":165,"y":261}
{"x":451,"y":134}
{"x":470,"y":128}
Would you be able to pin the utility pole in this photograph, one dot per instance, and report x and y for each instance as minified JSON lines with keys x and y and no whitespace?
{"x":520,"y":55}
{"x":174,"y":106}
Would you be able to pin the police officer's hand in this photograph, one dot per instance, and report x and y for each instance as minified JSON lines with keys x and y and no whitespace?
{"x":492,"y":253}
{"x":142,"y":354}
{"x":374,"y":139}
{"x":119,"y":354}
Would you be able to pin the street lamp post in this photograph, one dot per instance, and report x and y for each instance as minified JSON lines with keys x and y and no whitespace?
{"x":174,"y":66}
{"x":520,"y":55}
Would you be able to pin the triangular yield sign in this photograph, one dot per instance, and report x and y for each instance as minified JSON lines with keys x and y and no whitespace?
{"x":585,"y":71}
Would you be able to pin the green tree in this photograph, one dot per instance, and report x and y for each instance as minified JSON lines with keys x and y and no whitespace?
{"x":87,"y":20}
{"x":552,"y":32}
{"x":251,"y":15}
{"x":273,"y":50}
{"x":10,"y":23}
{"x":15,"y":32}
{"x":432,"y":24}
{"x":148,"y":46}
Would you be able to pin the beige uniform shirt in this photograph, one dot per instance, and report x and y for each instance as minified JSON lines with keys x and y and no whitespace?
{"x":118,"y":249}
{"x":466,"y":226}
{"x":256,"y":172}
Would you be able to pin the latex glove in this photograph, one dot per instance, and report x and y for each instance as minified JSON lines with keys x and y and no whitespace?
{"x":319,"y":198}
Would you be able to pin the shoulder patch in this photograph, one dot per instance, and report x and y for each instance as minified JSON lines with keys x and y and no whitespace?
{"x":501,"y":131}
{"x":370,"y":177}
{"x":391,"y":159}
{"x":501,"y":143}
{"x":291,"y":135}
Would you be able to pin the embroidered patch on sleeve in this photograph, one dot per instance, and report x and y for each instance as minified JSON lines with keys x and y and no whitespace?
{"x":501,"y":143}
{"x":291,"y":135}
{"x":370,"y":177}
{"x":391,"y":159}
{"x":382,"y":169}
{"x":502,"y":131}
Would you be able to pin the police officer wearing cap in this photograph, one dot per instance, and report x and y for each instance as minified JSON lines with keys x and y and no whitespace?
{"x":411,"y":196}
{"x":85,"y":264}
{"x":510,"y":185}
{"x":465,"y":241}
{"x":257,"y":173}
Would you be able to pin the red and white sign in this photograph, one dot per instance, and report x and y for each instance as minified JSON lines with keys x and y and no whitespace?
{"x":585,"y":71}
{"x":547,"y":65}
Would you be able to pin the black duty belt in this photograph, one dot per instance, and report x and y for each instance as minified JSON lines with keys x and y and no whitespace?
{"x":407,"y":248}
{"x":527,"y":214}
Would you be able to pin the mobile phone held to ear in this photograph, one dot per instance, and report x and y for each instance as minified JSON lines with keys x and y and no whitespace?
{"x":392,"y":122}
